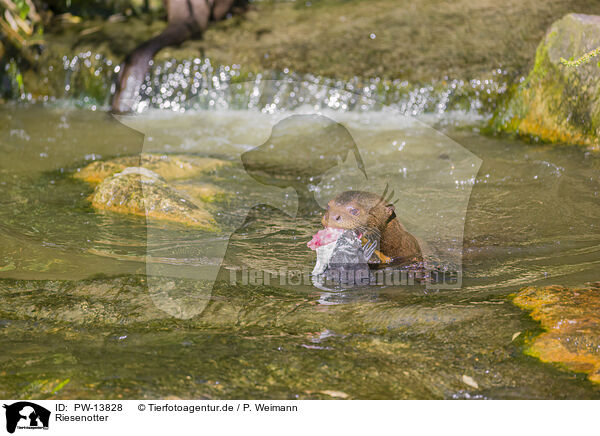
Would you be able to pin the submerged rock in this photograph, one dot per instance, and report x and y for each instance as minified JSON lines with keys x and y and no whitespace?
{"x":557,"y":103}
{"x":571,"y":318}
{"x":137,"y":185}
{"x":167,"y":166}
{"x":204,"y":192}
{"x":139,"y":191}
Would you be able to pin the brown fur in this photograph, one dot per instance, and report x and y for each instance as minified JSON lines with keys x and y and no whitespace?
{"x":368,"y":214}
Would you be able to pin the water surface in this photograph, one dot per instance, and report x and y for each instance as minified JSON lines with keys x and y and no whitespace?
{"x":76,"y":301}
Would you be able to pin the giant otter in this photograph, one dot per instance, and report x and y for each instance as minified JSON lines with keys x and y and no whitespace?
{"x":373,"y":219}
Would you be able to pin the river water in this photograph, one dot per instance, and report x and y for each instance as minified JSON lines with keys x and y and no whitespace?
{"x":79,"y":312}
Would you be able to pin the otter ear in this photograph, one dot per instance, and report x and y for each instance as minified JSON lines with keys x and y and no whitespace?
{"x":390,"y":209}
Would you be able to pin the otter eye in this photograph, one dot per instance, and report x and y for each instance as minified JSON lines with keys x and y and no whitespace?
{"x":353,"y":211}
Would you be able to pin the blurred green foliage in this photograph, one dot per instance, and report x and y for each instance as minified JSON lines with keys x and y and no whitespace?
{"x":90,"y":8}
{"x":22,"y":22}
{"x":21,"y":27}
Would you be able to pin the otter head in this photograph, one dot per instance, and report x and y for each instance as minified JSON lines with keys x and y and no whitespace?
{"x":358,"y":210}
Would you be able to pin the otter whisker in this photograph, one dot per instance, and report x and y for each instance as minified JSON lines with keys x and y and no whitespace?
{"x":390,"y":196}
{"x":370,"y":231}
{"x":385,"y":197}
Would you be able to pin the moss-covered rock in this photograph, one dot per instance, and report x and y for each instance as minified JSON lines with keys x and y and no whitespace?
{"x":571,"y":318}
{"x":557,"y":103}
{"x":137,"y":185}
{"x":168,"y":166}
{"x":139,"y":191}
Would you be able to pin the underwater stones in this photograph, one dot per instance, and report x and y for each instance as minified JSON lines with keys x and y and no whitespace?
{"x":106,"y":301}
{"x":139,"y":191}
{"x":571,"y":318}
{"x":167,"y":166}
{"x":558,"y":103}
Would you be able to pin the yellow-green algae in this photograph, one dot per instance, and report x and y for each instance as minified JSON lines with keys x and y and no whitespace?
{"x":168,"y":166}
{"x":571,"y":320}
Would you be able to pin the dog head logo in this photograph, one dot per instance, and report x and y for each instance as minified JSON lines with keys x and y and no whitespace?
{"x":26,"y":415}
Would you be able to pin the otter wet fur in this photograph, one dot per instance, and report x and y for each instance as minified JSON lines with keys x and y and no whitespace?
{"x":374,"y":219}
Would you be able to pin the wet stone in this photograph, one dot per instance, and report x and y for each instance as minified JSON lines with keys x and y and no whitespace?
{"x":571,"y":318}
{"x":138,"y":191}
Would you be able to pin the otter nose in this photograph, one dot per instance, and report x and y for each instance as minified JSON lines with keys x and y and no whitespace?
{"x":327,"y":218}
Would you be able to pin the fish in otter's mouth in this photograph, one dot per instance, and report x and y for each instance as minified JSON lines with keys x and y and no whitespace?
{"x":338,"y":246}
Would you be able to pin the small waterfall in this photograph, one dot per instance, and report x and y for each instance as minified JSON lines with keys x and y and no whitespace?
{"x":88,"y":80}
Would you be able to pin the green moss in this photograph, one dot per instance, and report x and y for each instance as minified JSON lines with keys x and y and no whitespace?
{"x":555,"y":103}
